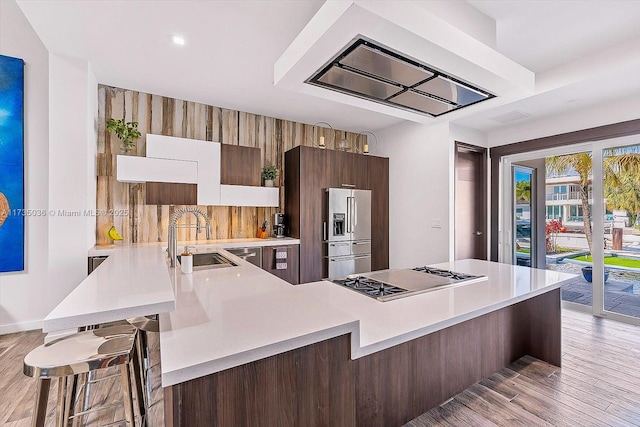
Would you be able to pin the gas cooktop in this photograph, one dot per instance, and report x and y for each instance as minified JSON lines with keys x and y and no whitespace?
{"x":446,"y":273}
{"x":371,"y":287}
{"x":391,"y":284}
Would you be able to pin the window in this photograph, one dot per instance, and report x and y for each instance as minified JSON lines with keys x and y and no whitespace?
{"x":555,"y":212}
{"x":575,"y":210}
{"x":560,"y":189}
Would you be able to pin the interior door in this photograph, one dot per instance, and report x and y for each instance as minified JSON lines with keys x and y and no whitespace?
{"x":470,"y":202}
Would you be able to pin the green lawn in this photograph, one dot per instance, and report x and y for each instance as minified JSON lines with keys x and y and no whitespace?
{"x":613,"y":260}
{"x":524,"y":250}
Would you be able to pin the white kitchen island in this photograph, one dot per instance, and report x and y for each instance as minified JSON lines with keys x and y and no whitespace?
{"x":238,"y":342}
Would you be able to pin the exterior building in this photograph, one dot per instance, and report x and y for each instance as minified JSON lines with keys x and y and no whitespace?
{"x":563,"y":202}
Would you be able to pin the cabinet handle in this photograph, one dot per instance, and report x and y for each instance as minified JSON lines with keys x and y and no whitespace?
{"x":348,"y":185}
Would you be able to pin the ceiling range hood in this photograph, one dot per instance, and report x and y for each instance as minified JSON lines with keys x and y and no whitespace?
{"x":369,"y":71}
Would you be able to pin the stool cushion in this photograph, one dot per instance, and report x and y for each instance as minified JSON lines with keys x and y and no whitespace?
{"x":81,"y":352}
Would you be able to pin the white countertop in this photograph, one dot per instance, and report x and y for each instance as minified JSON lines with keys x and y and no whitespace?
{"x":231,"y":316}
{"x":385,"y":324}
{"x":215,"y":319}
{"x":107,"y":250}
{"x":133,"y":281}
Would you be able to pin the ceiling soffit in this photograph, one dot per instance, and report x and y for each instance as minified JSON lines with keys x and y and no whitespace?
{"x":410,"y":31}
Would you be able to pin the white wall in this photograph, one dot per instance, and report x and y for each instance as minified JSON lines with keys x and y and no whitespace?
{"x":72,"y":148}
{"x":607,"y":113}
{"x":23,"y":296}
{"x":468,"y":135}
{"x":59,"y":174}
{"x":420,"y":168}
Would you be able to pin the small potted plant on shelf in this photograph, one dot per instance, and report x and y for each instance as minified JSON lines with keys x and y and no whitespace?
{"x":269,"y":173}
{"x":127,"y":132}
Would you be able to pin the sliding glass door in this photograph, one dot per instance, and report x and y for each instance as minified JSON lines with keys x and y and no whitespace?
{"x":620,"y":182}
{"x":592,"y":206}
{"x":524,"y":225}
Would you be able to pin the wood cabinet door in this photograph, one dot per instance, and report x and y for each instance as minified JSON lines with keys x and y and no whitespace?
{"x":349,"y":170}
{"x":270,"y":261}
{"x":379,"y":180}
{"x":239,"y":165}
{"x":315,"y":177}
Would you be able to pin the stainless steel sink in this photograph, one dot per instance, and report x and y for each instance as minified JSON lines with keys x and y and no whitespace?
{"x":209,"y":261}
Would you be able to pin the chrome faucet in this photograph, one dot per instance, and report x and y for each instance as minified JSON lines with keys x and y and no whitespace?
{"x":173,"y":229}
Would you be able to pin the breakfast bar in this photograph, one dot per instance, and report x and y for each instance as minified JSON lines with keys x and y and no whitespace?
{"x":238,"y":342}
{"x":378,"y":364}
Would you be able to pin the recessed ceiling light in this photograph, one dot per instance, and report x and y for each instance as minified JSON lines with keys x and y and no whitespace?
{"x":179,"y":40}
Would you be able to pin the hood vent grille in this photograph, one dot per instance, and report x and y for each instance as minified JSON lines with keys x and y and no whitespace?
{"x":368,"y":71}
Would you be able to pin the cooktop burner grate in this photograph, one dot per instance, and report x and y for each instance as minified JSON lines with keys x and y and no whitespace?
{"x":446,"y":273}
{"x":370,"y":287}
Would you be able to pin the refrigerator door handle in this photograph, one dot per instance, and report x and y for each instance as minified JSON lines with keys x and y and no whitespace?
{"x":324,"y":231}
{"x":348,"y":219}
{"x":354,"y":213}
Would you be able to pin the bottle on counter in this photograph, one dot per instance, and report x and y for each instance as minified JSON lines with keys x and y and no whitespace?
{"x":186,"y":261}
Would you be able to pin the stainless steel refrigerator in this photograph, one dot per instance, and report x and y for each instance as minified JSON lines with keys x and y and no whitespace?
{"x":347,"y":232}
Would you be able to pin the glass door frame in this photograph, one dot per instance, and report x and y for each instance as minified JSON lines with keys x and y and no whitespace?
{"x":533,"y":227}
{"x":506,"y":231}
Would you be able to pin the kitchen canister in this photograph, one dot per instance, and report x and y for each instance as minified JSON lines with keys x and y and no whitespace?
{"x":186,"y":261}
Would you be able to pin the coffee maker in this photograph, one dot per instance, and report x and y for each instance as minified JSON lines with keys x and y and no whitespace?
{"x":278,"y":225}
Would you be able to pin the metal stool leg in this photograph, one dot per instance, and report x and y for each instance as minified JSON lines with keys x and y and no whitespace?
{"x":42,"y":397}
{"x":136,"y":367}
{"x":146,"y":365}
{"x":88,"y":377}
{"x":63,"y":399}
{"x":126,"y":392}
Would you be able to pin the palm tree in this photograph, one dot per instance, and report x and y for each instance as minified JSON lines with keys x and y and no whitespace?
{"x":523,"y":191}
{"x":582,"y":164}
{"x":616,"y":161}
{"x":622,"y":182}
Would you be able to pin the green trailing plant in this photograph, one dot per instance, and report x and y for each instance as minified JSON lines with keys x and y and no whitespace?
{"x":127,"y":132}
{"x":269,"y":173}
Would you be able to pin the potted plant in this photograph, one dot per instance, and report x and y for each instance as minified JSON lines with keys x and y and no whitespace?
{"x":127,"y":132}
{"x":269,"y":173}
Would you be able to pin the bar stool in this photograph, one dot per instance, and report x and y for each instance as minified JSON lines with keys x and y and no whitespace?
{"x":144,"y":325}
{"x":81,"y":353}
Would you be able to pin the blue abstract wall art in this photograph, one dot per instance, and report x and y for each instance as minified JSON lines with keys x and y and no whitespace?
{"x":11,"y":164}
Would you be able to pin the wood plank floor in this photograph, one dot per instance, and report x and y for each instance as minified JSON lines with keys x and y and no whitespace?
{"x":598,"y":385}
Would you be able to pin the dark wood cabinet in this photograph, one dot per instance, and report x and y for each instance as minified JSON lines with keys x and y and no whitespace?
{"x":350,"y":170}
{"x":379,"y":184}
{"x":169,"y":193}
{"x":308,"y":173}
{"x":282,"y":261}
{"x":238,"y":166}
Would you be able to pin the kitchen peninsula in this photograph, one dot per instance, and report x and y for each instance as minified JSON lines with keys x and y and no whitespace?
{"x":243,"y":345}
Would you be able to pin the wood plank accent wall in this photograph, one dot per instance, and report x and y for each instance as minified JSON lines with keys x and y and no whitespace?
{"x":173,"y":117}
{"x":318,"y":385}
